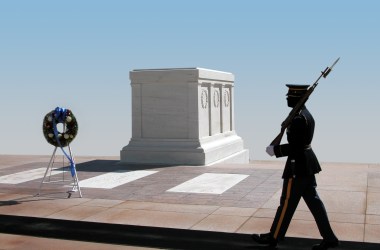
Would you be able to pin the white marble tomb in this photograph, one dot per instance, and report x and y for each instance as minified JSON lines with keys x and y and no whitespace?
{"x":183,"y":116}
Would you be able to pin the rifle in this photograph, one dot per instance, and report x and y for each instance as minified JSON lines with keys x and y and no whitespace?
{"x":300,"y":104}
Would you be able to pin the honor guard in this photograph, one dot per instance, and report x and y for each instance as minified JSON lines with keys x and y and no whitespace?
{"x":299,"y":180}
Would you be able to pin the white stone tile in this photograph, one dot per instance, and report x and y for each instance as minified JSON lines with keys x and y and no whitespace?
{"x":209,"y":183}
{"x":114,"y":179}
{"x":25,"y":176}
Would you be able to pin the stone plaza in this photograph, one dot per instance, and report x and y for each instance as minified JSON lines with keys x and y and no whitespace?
{"x":158,"y":199}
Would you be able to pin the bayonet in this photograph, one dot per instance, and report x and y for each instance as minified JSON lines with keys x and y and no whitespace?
{"x":328,"y":69}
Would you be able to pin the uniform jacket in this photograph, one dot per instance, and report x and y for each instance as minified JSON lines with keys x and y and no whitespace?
{"x":299,"y":134}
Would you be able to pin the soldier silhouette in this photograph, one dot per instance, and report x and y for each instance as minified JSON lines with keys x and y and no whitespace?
{"x":299,"y":177}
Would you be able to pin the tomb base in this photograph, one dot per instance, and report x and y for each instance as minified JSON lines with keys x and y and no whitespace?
{"x":220,"y":149}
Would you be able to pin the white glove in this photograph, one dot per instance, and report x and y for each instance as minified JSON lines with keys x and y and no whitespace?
{"x":270,"y":150}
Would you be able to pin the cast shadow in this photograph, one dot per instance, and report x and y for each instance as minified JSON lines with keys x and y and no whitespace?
{"x":114,"y":165}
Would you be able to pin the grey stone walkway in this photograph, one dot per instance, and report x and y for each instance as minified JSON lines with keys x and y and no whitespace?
{"x":351,"y":193}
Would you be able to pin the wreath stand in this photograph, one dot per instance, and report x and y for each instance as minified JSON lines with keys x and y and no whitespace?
{"x":61,"y":140}
{"x":47,"y":177}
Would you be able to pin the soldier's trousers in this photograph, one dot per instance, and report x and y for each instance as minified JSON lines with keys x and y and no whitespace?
{"x":292,"y":191}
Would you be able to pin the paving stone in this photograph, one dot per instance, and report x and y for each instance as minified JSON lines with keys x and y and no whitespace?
{"x":351,"y":193}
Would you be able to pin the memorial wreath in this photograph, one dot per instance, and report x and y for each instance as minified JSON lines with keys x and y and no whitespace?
{"x":70,"y":127}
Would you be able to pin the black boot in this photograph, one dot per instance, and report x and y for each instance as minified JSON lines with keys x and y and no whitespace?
{"x":326,"y":245}
{"x":265,"y":239}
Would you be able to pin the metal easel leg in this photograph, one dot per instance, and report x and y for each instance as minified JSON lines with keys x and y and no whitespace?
{"x":47,"y":170}
{"x":76,"y":186}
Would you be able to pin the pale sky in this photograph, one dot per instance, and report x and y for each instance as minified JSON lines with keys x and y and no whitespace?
{"x":78,"y":54}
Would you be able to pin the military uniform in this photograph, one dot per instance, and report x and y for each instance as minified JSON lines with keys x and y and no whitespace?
{"x":299,"y":179}
{"x":301,"y":158}
{"x":298,"y":175}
